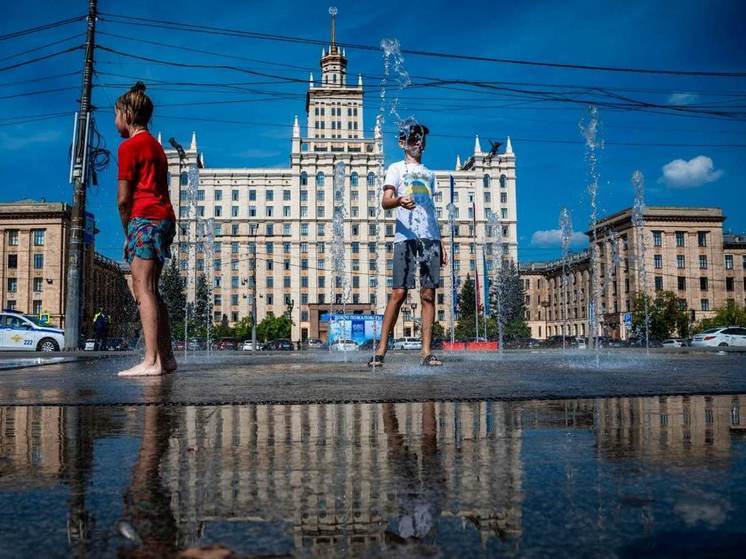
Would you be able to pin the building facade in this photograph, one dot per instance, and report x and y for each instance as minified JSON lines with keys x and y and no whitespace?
{"x":682,"y":250}
{"x":264,"y":235}
{"x":34,"y":240}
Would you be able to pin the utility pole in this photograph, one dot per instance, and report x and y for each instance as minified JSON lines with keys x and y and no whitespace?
{"x":80,"y":183}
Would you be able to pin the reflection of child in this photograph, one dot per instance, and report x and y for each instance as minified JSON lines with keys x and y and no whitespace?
{"x":409,"y":187}
{"x":149,"y":224}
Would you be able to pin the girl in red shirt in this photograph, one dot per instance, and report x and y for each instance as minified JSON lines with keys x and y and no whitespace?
{"x":149,"y":225}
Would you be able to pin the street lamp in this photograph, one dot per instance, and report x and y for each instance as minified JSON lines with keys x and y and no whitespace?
{"x":545,"y":305}
{"x":413,"y":306}
{"x":182,"y":156}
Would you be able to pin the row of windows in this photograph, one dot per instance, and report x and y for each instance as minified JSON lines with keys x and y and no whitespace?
{"x":36,"y":306}
{"x":38,"y":260}
{"x":335,"y":111}
{"x":37,"y":285}
{"x":680,"y":237}
{"x":681,"y":261}
{"x":38,"y":237}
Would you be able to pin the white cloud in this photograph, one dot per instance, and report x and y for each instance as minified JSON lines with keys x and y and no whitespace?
{"x":690,"y":174}
{"x":682,"y":98}
{"x":553,"y":238}
{"x":14,"y":142}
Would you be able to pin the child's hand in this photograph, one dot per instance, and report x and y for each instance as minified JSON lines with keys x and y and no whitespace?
{"x":407,"y":202}
{"x":443,"y":255}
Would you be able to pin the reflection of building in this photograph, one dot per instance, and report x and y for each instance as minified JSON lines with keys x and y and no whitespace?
{"x":686,"y":252}
{"x":338,"y":473}
{"x":668,"y":429}
{"x":33,"y":264}
{"x":281,"y":218}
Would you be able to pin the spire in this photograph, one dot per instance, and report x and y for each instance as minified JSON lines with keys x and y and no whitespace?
{"x":296,"y":128}
{"x":310,"y":79}
{"x":333,"y":13}
{"x":477,"y":147}
{"x":323,"y":52}
{"x":193,"y":146}
{"x":360,"y":80}
{"x":458,"y":162}
{"x":508,"y":146}
{"x":159,"y":138}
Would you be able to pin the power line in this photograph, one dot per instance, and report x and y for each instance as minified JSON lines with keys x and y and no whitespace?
{"x":40,"y":58}
{"x":150,"y":22}
{"x":41,"y":47}
{"x":43,"y":78}
{"x":38,"y":28}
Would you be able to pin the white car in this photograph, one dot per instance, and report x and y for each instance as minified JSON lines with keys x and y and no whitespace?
{"x":246,"y":346}
{"x":20,"y":332}
{"x":721,"y":337}
{"x":344,"y":345}
{"x":407,"y":343}
{"x":673,"y":342}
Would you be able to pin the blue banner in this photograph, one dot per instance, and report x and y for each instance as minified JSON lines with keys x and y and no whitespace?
{"x":356,"y":327}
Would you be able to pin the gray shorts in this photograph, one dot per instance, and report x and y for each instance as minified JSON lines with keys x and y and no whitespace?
{"x":407,"y":254}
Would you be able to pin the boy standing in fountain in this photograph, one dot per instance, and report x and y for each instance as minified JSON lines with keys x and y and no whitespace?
{"x":409,"y":187}
{"x":149,"y":225}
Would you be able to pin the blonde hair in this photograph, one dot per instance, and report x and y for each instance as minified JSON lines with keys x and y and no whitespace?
{"x":135,"y":106}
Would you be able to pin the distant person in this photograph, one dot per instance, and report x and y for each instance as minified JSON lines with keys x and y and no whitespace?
{"x":409,"y":187}
{"x":101,"y":329}
{"x":149,"y":225}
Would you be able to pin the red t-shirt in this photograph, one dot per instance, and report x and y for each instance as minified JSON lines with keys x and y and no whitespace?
{"x":143,"y":161}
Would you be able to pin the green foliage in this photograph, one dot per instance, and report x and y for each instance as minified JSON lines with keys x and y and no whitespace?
{"x":665,"y":315}
{"x":242,"y":330}
{"x":202,"y":310}
{"x":730,"y":315}
{"x":223,"y":329}
{"x":172,"y":291}
{"x":274,"y":327}
{"x":438,"y":330}
{"x":466,"y":305}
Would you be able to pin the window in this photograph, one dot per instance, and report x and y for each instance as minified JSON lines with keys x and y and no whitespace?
{"x":38,"y":236}
{"x":702,"y":238}
{"x":728,"y":261}
{"x":504,"y":213}
{"x":354,"y":179}
{"x":183,"y":179}
{"x":503,"y":181}
{"x":218,"y":211}
{"x":320,"y":178}
{"x":12,"y":285}
{"x":286,"y":211}
{"x":286,"y":282}
{"x":659,"y":283}
{"x":13,"y":261}
{"x":705,"y":304}
{"x":219,"y":195}
{"x":658,"y":261}
{"x":269,"y":248}
{"x":270,"y":195}
{"x":320,"y":229}
{"x":304,"y":229}
{"x":702,"y":262}
{"x":679,"y":238}
{"x":38,"y":261}
{"x":680,"y":262}
{"x":658,"y":238}
{"x":286,"y":248}
{"x":252,"y":211}
{"x":13,"y":237}
{"x":304,"y":195}
{"x":286,"y":195}
{"x":268,"y":211}
{"x":503,"y":197}
{"x":270,"y":230}
{"x":681,"y":283}
{"x":252,"y":195}
{"x":36,"y":307}
{"x":285,"y":229}
{"x":486,"y":181}
{"x":371,"y":180}
{"x":703,"y":283}
{"x":270,"y":282}
{"x":729,"y":284}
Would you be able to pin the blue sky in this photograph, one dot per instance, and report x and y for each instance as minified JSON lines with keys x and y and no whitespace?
{"x":681,"y":35}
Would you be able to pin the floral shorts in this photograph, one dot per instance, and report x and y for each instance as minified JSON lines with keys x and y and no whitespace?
{"x":149,"y":239}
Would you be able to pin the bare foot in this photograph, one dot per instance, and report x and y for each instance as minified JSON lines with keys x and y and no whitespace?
{"x":142,"y":370}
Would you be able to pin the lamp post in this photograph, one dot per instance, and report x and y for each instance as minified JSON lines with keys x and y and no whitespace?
{"x":413,"y":306}
{"x":545,"y":305}
{"x":182,"y":156}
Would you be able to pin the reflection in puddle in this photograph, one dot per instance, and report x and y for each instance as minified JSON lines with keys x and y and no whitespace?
{"x":604,"y":476}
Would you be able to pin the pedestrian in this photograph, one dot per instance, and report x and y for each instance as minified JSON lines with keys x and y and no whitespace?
{"x":409,"y":187}
{"x":101,"y":329}
{"x":149,"y":225}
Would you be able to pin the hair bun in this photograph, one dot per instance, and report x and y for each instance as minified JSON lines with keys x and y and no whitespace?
{"x":139,"y":86}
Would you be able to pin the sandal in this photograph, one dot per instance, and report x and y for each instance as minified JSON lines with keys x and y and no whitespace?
{"x":431,"y":361}
{"x":376,"y":361}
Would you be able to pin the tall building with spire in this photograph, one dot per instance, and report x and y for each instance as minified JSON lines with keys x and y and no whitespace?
{"x":264,"y":235}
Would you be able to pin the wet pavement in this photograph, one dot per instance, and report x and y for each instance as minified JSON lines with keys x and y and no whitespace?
{"x":235,"y":377}
{"x":613,"y":477}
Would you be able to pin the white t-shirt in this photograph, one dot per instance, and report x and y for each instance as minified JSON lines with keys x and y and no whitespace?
{"x":417,"y":181}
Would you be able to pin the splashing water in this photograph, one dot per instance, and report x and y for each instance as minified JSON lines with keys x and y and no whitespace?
{"x":341,"y":281}
{"x":638,"y":222}
{"x":394,"y":71}
{"x":208,"y":238}
{"x":452,"y":215}
{"x":566,"y":232}
{"x":192,"y":187}
{"x":497,"y":273}
{"x":590,"y":128}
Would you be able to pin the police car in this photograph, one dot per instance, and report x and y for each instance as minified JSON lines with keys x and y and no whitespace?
{"x":21,"y":332}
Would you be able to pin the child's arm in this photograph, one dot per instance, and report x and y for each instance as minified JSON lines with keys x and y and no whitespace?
{"x":391,"y":200}
{"x":125,"y":191}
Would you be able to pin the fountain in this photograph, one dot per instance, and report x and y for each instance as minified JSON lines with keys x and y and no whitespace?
{"x":565,"y":223}
{"x":496,"y":273}
{"x":192,"y":187}
{"x":638,"y":221}
{"x":341,"y":281}
{"x":590,"y":126}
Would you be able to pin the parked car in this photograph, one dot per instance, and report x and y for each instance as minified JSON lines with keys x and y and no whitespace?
{"x":228,"y":344}
{"x":370,"y":345}
{"x":278,"y":345}
{"x":343,"y":345}
{"x":247,"y":346}
{"x":314,"y":343}
{"x":673,"y":342}
{"x":21,"y":332}
{"x":407,"y":343}
{"x":721,"y":337}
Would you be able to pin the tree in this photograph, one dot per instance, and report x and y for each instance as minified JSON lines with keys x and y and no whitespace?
{"x":223,"y":329}
{"x":172,"y":291}
{"x":665,"y":315}
{"x":242,"y":329}
{"x":508,"y":286}
{"x":730,"y":315}
{"x":274,"y":327}
{"x":438,"y":331}
{"x":202,"y":309}
{"x":466,"y":309}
